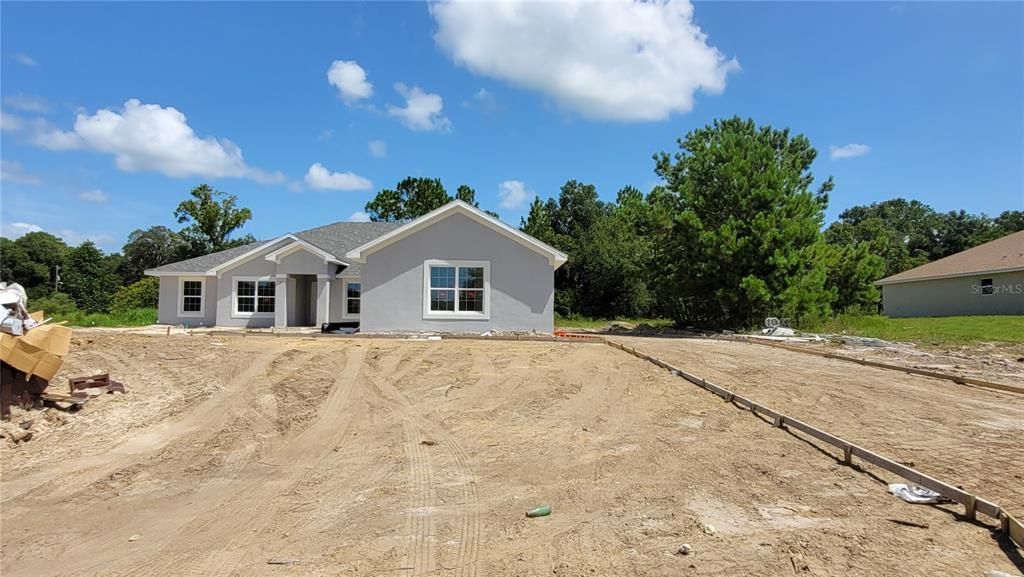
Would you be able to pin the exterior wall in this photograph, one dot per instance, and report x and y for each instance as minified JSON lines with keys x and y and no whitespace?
{"x":521,"y":287}
{"x":303,"y":262}
{"x":256,"y":267}
{"x":955,"y":296}
{"x":337,"y":301}
{"x":168,"y":311}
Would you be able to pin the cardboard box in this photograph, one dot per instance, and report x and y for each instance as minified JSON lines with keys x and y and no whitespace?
{"x":39,"y":352}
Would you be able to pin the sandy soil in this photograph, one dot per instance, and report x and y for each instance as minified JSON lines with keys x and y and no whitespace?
{"x":386,"y":457}
{"x":969,"y":436}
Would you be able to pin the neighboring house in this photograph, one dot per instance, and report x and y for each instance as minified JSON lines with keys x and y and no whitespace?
{"x":985,"y":280}
{"x":455,"y":269}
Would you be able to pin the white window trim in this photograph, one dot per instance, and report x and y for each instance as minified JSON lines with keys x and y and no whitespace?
{"x":344,"y":298}
{"x":235,"y":313}
{"x":181,"y":297}
{"x":459,"y":315}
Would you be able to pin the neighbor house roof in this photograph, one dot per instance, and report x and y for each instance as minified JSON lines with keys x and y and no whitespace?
{"x":1004,"y":254}
{"x":359,"y":254}
{"x":334,"y":239}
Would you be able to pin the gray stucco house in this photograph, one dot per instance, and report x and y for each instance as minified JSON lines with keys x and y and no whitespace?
{"x":455,"y":269}
{"x":985,"y":280}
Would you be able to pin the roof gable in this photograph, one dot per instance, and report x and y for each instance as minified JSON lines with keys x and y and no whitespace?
{"x":331,"y":241}
{"x":359,"y":254}
{"x":1004,"y":254}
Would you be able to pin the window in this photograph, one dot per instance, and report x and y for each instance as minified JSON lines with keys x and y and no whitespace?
{"x":456,"y":289}
{"x":986,"y":286}
{"x":254,"y":297}
{"x":191,"y":290}
{"x":353,"y":291}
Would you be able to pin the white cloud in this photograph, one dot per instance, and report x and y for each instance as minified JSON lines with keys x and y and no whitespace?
{"x":26,"y":60}
{"x":10,"y":122}
{"x":325,"y":135}
{"x":378,"y":148}
{"x":93,"y":196}
{"x":618,"y":60}
{"x":45,"y":135}
{"x":152,"y":137}
{"x":350,"y":80}
{"x":513,"y":194}
{"x":359,"y":216}
{"x":18,"y":229}
{"x":11,"y":171}
{"x":26,"y":103}
{"x":422,"y":110}
{"x":320,"y":178}
{"x":483,"y":100}
{"x":848,"y":151}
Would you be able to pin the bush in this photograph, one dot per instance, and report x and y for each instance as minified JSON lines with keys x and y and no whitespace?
{"x":56,"y":304}
{"x":142,"y":294}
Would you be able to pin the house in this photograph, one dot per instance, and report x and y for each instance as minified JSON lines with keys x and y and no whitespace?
{"x":455,"y":269}
{"x":985,"y":280}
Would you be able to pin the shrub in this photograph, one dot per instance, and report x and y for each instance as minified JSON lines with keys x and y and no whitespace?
{"x":56,"y":304}
{"x":142,"y":294}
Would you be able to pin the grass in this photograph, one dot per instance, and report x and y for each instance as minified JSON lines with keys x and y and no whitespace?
{"x":937,"y":331}
{"x":591,"y":323}
{"x":124,"y":318}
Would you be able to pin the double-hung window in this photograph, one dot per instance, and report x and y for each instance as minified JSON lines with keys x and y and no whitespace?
{"x":191,"y":291}
{"x":254,"y":297}
{"x":456,"y":289}
{"x":353,"y":295}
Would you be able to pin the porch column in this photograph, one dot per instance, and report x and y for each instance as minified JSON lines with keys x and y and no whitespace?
{"x":323,"y":299}
{"x":281,"y":301}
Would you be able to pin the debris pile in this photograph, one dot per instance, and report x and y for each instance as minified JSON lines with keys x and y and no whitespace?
{"x":31,"y":350}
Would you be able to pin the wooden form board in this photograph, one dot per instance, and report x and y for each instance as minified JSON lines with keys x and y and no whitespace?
{"x":972,"y":503}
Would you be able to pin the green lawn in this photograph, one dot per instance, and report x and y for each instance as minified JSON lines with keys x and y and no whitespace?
{"x":589,"y":323}
{"x":125,"y":318}
{"x":936,"y":331}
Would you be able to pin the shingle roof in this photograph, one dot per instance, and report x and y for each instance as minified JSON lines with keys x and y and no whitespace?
{"x":337,"y":239}
{"x":201,"y":264}
{"x":1002,"y":254}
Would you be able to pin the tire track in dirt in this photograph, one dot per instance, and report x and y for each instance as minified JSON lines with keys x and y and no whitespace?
{"x":243,"y":513}
{"x":182,"y":533}
{"x":420,"y":519}
{"x":209,"y":415}
{"x":468,"y":511}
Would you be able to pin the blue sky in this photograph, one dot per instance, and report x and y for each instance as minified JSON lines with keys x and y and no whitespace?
{"x":113,"y":112}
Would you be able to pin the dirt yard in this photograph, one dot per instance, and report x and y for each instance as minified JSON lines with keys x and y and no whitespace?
{"x":299,"y":456}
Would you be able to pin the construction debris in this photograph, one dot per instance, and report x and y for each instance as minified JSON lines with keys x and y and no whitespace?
{"x":95,"y":385}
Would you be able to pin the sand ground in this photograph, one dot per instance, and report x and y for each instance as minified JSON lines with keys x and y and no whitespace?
{"x":388,"y":457}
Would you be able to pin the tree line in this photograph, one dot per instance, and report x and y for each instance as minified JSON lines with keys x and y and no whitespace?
{"x":734,"y":233}
{"x":61,"y":278}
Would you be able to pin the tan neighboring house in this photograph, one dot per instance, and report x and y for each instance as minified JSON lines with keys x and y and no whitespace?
{"x":985,"y":280}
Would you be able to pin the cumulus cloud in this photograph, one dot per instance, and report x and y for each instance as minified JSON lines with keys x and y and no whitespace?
{"x":26,"y":103}
{"x":26,"y":60}
{"x":10,"y":122}
{"x":11,"y":171}
{"x":350,"y":80}
{"x":18,"y":229}
{"x":319,"y":177}
{"x":377,"y":148}
{"x":513,"y":194}
{"x":359,"y":216}
{"x":848,"y":151}
{"x":152,"y":137}
{"x":422,"y":110}
{"x":618,"y":60}
{"x":93,"y":196}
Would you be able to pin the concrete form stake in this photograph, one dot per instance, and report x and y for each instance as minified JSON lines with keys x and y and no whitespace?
{"x":848,"y":455}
